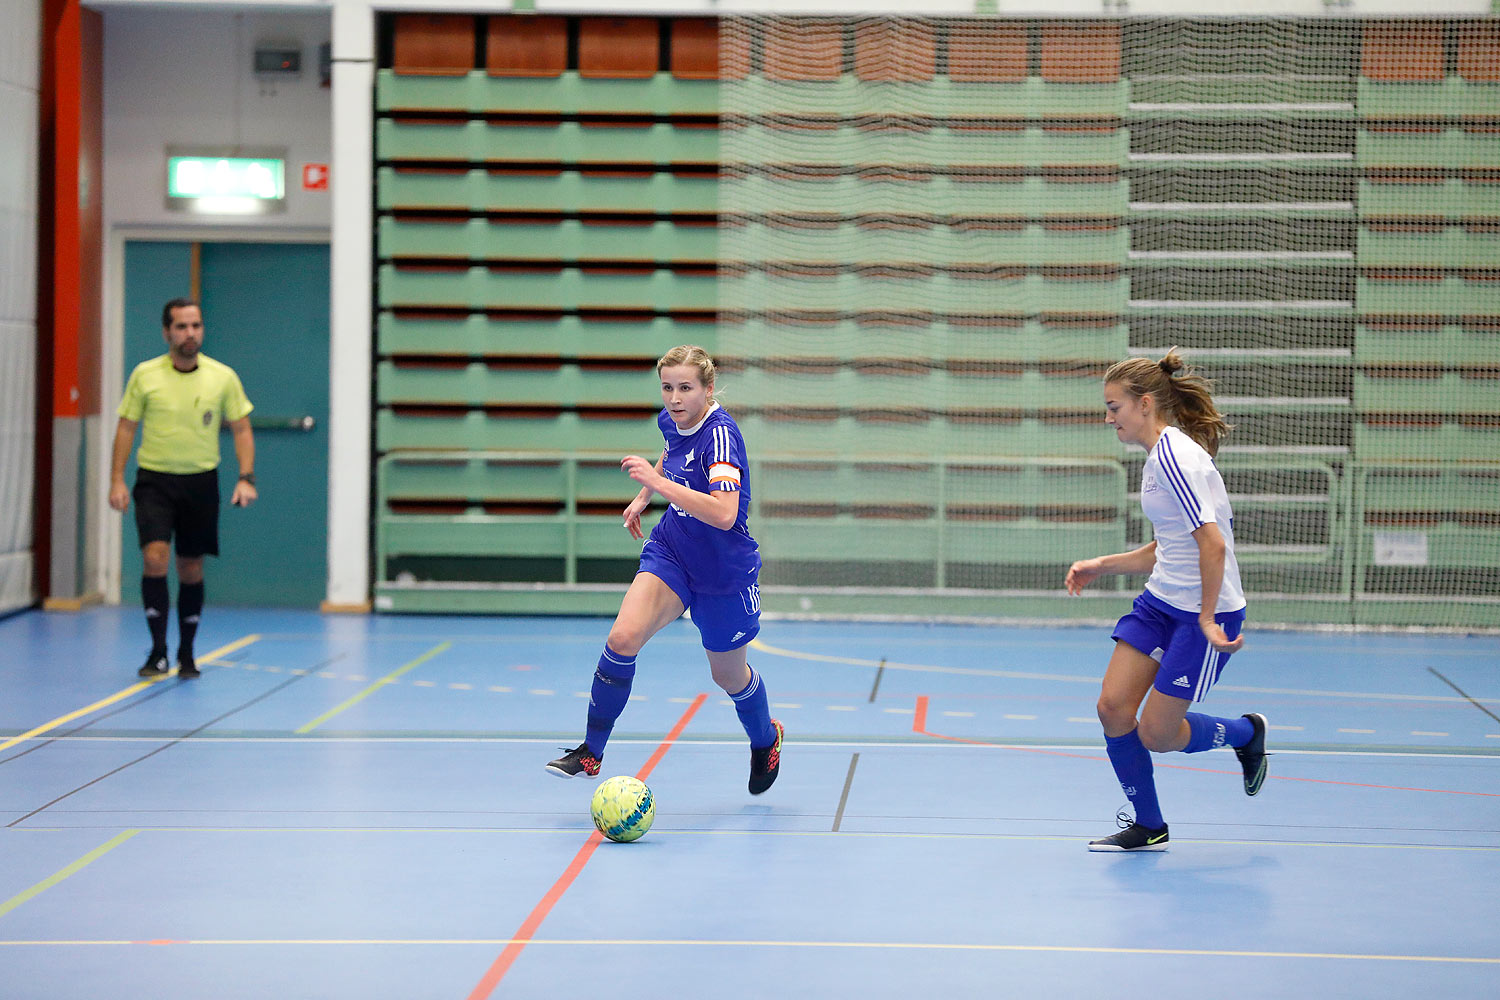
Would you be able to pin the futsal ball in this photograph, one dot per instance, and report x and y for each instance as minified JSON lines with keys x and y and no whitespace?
{"x":623,"y":808}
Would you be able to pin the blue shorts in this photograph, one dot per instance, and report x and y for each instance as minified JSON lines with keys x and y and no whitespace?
{"x":725,"y":621}
{"x":1189,"y":666}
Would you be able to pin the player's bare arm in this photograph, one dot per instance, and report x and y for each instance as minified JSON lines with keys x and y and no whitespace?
{"x":1211,"y":548}
{"x":119,"y":492}
{"x":718,"y":510}
{"x":638,"y":505}
{"x":1086,"y":571}
{"x":244,"y":452}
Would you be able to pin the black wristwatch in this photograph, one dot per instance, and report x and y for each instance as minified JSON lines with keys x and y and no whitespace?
{"x":247,"y":477}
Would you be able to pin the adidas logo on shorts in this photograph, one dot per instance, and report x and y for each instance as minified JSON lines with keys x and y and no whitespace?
{"x":1181,"y":682}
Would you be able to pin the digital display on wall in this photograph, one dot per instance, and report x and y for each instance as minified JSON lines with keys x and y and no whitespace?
{"x":233,"y":185}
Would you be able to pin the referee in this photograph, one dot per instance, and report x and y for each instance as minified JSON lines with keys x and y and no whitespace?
{"x":178,"y":400}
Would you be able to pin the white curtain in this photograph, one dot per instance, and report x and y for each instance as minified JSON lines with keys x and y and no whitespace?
{"x":19,"y":91}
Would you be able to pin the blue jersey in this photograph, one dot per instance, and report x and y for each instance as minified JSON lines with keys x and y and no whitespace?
{"x":708,"y":458}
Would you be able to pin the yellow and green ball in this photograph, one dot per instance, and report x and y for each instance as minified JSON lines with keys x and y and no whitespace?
{"x":623,"y":808}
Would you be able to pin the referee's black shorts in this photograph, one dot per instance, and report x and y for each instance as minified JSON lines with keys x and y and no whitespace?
{"x":184,"y":507}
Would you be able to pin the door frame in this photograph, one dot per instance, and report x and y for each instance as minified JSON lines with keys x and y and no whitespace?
{"x":108,"y":536}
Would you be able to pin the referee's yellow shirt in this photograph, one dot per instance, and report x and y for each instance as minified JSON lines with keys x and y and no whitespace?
{"x":180,"y":412}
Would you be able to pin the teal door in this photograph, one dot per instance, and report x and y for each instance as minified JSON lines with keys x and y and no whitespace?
{"x":265,"y":314}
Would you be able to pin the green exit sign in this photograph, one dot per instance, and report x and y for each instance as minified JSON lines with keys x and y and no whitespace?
{"x":234,"y":184}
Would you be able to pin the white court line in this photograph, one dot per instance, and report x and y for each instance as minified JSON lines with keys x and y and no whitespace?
{"x":742,"y":945}
{"x":658,"y":832}
{"x":1459,"y":753}
{"x":1093,"y":679}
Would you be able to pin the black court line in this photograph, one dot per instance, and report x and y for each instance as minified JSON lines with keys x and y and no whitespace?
{"x":176,"y":740}
{"x":878,"y":674}
{"x":157,"y":690}
{"x":1464,"y":693}
{"x":838,"y":817}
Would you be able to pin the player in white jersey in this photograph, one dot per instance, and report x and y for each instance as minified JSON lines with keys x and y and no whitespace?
{"x":1174,"y":643}
{"x":700,"y":555}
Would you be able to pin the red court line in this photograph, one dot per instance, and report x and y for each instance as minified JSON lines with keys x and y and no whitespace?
{"x":919,"y":726}
{"x":501,"y":966}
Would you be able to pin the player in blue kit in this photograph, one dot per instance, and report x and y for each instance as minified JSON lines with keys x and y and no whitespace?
{"x":700,"y":555}
{"x":1174,"y":643}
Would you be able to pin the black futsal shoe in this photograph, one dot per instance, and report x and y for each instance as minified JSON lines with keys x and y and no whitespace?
{"x":155,"y":665}
{"x":186,"y":667}
{"x":1132,"y":837}
{"x":578,"y":762}
{"x":765,"y":763}
{"x":1253,"y":754}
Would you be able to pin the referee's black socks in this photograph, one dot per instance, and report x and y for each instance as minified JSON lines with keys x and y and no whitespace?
{"x":154,"y":597}
{"x":189,"y":607}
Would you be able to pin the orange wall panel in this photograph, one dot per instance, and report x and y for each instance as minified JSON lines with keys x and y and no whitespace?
{"x":884,"y":51}
{"x":1403,"y":52}
{"x":527,"y":46}
{"x":1089,"y":54}
{"x":987,"y":53}
{"x":618,"y":48}
{"x":803,"y":50}
{"x":695,"y":50}
{"x":1479,"y":52}
{"x":433,"y":44}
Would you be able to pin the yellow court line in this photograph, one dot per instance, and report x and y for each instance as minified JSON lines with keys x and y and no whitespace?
{"x":118,"y":695}
{"x":389,"y":678}
{"x":58,"y":876}
{"x":926,"y":668}
{"x":891,"y":945}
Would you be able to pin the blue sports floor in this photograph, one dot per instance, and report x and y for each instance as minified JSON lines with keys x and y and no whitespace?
{"x":357,"y":807}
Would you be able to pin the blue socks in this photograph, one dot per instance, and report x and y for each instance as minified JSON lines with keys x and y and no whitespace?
{"x":1209,"y":732}
{"x":611,"y":692}
{"x":755,"y":714}
{"x":1132,"y":764}
{"x":1132,"y":761}
{"x":608,"y":696}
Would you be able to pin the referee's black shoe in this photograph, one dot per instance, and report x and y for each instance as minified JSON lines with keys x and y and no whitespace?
{"x":1253,"y":754}
{"x":155,"y":665}
{"x":186,"y":667}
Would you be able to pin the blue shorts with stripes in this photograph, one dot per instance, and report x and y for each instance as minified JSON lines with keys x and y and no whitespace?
{"x":725,"y":621}
{"x":1189,"y":666}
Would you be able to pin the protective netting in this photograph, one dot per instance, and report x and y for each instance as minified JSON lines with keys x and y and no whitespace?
{"x":935,"y":235}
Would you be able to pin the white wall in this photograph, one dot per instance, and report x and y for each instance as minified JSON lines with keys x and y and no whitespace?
{"x":19,"y":100}
{"x":185,"y":77}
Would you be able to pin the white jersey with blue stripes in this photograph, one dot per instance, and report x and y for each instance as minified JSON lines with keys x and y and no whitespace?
{"x":1181,"y":490}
